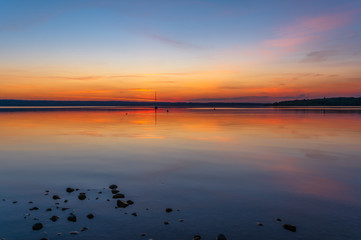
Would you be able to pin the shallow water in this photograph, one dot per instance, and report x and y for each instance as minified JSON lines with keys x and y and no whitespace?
{"x":224,"y":169}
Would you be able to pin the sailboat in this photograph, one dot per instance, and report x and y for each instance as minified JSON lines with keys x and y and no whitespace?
{"x":155,"y":101}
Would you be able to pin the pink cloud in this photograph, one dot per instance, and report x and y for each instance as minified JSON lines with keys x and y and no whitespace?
{"x":288,"y":41}
{"x":309,"y":29}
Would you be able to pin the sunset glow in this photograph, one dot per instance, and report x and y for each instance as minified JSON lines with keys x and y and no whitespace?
{"x":196,"y":51}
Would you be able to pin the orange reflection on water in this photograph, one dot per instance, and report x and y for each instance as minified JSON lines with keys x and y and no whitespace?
{"x":294,"y":150}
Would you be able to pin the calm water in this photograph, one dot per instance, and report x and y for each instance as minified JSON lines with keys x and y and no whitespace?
{"x":225,"y":170}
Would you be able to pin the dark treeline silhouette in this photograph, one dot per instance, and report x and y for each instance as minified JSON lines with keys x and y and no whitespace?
{"x":49,"y":103}
{"x":339,"y":101}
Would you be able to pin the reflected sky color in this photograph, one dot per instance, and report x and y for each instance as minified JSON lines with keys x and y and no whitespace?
{"x":301,"y":165}
{"x":192,"y":50}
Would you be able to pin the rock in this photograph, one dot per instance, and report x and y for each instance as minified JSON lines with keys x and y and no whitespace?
{"x":130,"y":202}
{"x":118,"y":195}
{"x":84,"y":229}
{"x":108,"y":200}
{"x":97,"y":198}
{"x":34,"y":208}
{"x":142,"y":234}
{"x":221,"y":237}
{"x":57,"y":203}
{"x":113,"y":186}
{"x":74,"y":232}
{"x":72,"y":218}
{"x":260,"y":224}
{"x":77,"y":189}
{"x":65,"y":201}
{"x":54,"y":218}
{"x":64,"y":208}
{"x":59,"y":234}
{"x":48,"y":209}
{"x":56,"y":197}
{"x":44,"y":239}
{"x":278,"y":219}
{"x":70,"y":190}
{"x":14,"y":202}
{"x":90,"y":216}
{"x":30,"y":202}
{"x":100,"y":192}
{"x":181,"y":220}
{"x":37,"y":226}
{"x":289,"y":227}
{"x":122,"y":204}
{"x":115,"y":191}
{"x":169,"y":210}
{"x":197,"y":237}
{"x":134,"y":214}
{"x":82,"y":196}
{"x":166,"y":223}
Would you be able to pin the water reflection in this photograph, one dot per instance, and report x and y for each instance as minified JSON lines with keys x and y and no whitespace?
{"x":224,"y":167}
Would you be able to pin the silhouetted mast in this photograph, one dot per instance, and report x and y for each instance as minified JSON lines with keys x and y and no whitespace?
{"x":155,"y":100}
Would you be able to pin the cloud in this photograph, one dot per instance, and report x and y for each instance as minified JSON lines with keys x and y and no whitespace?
{"x":173,"y":43}
{"x":141,"y":90}
{"x":320,"y":56}
{"x":309,"y":29}
{"x":232,"y":98}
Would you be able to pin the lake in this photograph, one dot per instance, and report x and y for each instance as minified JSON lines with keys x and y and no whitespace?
{"x":221,"y":171}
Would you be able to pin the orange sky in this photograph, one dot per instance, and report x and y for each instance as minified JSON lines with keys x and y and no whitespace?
{"x":87,"y":52}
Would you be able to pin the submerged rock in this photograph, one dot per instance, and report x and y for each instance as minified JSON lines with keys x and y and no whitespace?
{"x":118,"y":195}
{"x":82,"y":196}
{"x":130,"y":202}
{"x":289,"y":227}
{"x":72,"y":218}
{"x":115,"y":191}
{"x":90,"y":216}
{"x":221,"y":237}
{"x":56,"y":197}
{"x":70,"y":190}
{"x":278,"y":219}
{"x":260,"y":224}
{"x":37,"y":226}
{"x":34,"y":208}
{"x":54,"y":218}
{"x":113,"y":186}
{"x":48,"y":209}
{"x":122,"y":204}
{"x":134,"y":214}
{"x":197,"y":237}
{"x":84,"y":229}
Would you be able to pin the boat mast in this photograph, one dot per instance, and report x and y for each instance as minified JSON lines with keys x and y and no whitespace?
{"x":155,"y":100}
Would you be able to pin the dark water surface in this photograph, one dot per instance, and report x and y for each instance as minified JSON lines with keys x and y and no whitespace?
{"x":225,"y":169}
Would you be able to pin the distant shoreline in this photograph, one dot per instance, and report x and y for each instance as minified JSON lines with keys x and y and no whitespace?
{"x":340,"y":101}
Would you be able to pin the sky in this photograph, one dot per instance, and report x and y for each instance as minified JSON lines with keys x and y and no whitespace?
{"x":185,"y":50}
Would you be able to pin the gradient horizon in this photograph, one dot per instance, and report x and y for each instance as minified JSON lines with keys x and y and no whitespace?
{"x":200,"y":51}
